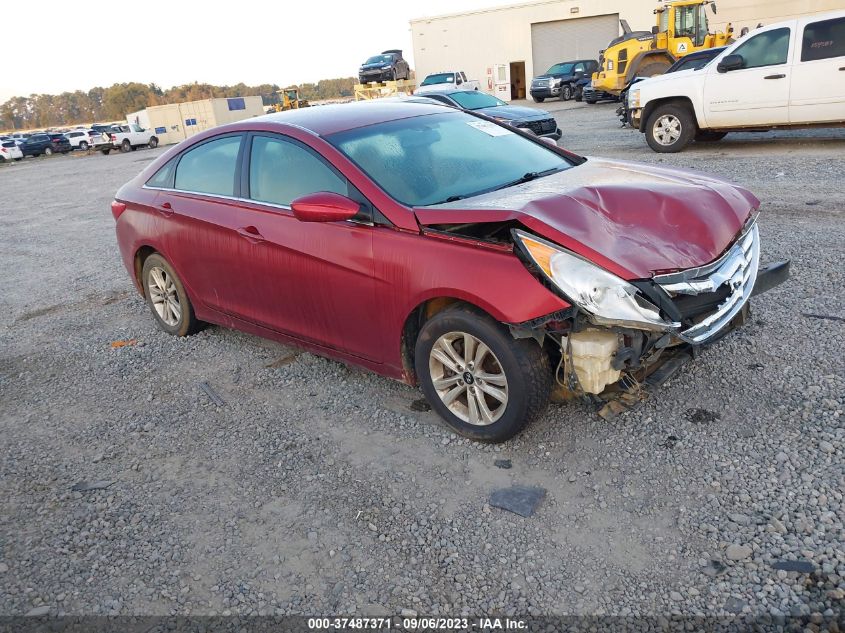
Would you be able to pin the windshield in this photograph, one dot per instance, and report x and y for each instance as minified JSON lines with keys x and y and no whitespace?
{"x":473,"y":100}
{"x":560,"y":69}
{"x":436,"y":158}
{"x":378,"y":59}
{"x":440,"y":78}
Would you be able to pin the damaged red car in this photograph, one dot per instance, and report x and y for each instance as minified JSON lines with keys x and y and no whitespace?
{"x":440,"y":248}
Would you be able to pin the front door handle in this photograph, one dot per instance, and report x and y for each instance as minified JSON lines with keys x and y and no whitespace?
{"x":251,"y":233}
{"x":774,"y":77}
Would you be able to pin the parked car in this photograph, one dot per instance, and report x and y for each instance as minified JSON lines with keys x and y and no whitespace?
{"x":692,"y":61}
{"x":82,"y":139}
{"x":540,"y":122}
{"x":788,"y":74}
{"x":592,"y":96}
{"x":128,"y":137}
{"x":455,"y":79}
{"x":46,"y":144}
{"x":561,"y":79}
{"x":9,"y":150}
{"x":437,"y":247}
{"x":389,"y":66}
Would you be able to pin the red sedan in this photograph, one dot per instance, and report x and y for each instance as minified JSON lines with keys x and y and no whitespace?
{"x":438,"y":247}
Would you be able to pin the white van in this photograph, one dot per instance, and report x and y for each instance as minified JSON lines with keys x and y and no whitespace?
{"x":789,"y":74}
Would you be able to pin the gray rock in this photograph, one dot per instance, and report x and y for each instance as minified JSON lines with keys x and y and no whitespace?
{"x":737,"y":552}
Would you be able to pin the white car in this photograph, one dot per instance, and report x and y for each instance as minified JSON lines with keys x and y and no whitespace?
{"x":789,"y":74}
{"x":82,"y":139}
{"x":455,"y":79}
{"x":9,"y":150}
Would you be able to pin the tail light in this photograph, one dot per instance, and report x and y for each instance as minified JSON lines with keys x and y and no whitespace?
{"x":117,"y":208}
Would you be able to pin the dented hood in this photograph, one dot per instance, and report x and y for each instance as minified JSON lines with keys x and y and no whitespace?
{"x":634,"y":220}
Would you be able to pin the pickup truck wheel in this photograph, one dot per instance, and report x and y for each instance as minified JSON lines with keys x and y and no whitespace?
{"x":48,"y":151}
{"x":105,"y":152}
{"x":709,"y":137}
{"x":538,"y":99}
{"x":83,"y":146}
{"x":126,"y":146}
{"x":566,"y":92}
{"x":484,"y":383}
{"x":153,"y":142}
{"x":670,"y":128}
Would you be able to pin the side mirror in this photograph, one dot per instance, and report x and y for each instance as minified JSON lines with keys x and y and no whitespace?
{"x":730,"y":62}
{"x":655,"y":30}
{"x":549,"y":141}
{"x":324,"y":206}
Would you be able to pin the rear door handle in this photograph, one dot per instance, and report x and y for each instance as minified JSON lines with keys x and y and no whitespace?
{"x":774,"y":77}
{"x":251,"y":233}
{"x":165,"y":209}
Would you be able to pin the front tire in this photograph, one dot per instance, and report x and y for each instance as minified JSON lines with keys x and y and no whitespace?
{"x":670,"y":128}
{"x":566,"y":92}
{"x":485,"y":384}
{"x":166,"y":297}
{"x":538,"y":99}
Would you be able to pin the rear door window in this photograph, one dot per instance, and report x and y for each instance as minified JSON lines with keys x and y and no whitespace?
{"x":280,"y":171}
{"x":823,"y":40}
{"x":209,"y":167}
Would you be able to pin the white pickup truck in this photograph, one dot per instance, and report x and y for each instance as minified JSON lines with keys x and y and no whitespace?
{"x":454,"y":79}
{"x":128,"y":137}
{"x":786,"y":75}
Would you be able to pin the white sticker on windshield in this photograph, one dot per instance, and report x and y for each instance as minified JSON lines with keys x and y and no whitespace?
{"x":489,"y":128}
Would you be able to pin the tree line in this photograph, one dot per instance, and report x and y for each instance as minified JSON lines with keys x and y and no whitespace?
{"x":115,"y":102}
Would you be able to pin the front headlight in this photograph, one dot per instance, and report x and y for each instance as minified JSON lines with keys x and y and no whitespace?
{"x":634,"y":99}
{"x":608,"y":299}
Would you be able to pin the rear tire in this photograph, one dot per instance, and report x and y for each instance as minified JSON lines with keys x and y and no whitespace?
{"x":709,"y":137}
{"x":126,"y":146}
{"x":167,"y":299}
{"x":83,"y":146}
{"x":48,"y":151}
{"x":105,"y":152}
{"x":507,"y":388}
{"x":670,"y":128}
{"x":153,"y":142}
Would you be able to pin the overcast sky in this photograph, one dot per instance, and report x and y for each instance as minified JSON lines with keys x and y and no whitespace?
{"x":172,"y":42}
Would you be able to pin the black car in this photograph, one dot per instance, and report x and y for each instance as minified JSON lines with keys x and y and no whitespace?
{"x":538,"y":121}
{"x":389,"y":66}
{"x":692,"y":61}
{"x":560,"y":80}
{"x":46,"y":144}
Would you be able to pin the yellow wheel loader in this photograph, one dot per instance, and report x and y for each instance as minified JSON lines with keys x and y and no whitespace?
{"x":681,"y":28}
{"x":289,"y":100}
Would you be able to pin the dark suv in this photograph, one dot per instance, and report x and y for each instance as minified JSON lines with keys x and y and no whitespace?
{"x":46,"y":144}
{"x":560,"y":79}
{"x":388,"y":66}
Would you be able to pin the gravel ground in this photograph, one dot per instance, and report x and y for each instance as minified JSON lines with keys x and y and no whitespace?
{"x":317,"y":488}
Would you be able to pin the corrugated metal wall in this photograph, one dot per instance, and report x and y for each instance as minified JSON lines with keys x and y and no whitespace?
{"x":562,"y":40}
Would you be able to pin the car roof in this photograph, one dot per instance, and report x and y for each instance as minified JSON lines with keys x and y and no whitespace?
{"x":328,"y":119}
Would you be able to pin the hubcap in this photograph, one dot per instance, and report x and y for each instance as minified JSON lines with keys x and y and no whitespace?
{"x":468,"y":378}
{"x":667,"y":129}
{"x":164,"y":296}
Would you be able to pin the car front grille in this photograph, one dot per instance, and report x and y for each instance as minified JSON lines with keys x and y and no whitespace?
{"x":709,"y":297}
{"x":543,"y":126}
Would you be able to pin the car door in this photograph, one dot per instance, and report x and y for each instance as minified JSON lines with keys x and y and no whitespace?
{"x":313,"y":280}
{"x":817,"y":91}
{"x":205,"y":229}
{"x":756,"y":94}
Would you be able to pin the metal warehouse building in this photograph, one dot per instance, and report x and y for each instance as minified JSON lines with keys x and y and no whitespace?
{"x":504,"y":47}
{"x":175,"y":122}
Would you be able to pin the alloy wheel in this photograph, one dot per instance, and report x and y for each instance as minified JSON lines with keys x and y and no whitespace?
{"x":164,"y":297}
{"x":667,"y":129}
{"x":468,"y":378}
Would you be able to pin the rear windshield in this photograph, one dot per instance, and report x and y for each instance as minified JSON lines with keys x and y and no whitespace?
{"x":9,"y":144}
{"x":439,"y":78}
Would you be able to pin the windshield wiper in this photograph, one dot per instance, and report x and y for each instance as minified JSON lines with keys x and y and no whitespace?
{"x":531,"y":175}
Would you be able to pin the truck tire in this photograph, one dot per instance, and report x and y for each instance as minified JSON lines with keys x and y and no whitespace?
{"x":153,"y":142}
{"x":565,"y":92}
{"x":652,"y":68}
{"x":105,"y":152}
{"x":538,"y":99}
{"x":126,"y":146}
{"x":670,"y":128}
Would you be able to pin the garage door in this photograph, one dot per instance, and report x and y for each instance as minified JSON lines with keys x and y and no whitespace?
{"x":561,"y":40}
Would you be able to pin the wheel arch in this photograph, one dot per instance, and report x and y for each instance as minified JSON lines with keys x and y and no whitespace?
{"x":686,"y":102}
{"x":141,"y":255}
